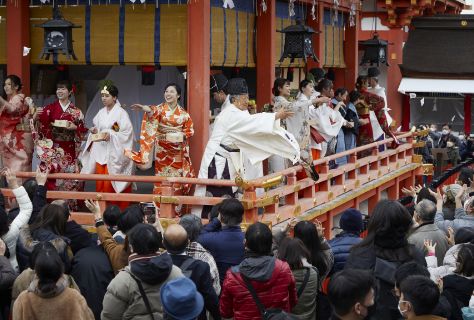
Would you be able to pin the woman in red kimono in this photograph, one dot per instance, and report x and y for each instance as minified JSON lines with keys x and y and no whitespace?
{"x":16,"y":144}
{"x":62,"y":123}
{"x":377,"y":105}
{"x":165,"y":132}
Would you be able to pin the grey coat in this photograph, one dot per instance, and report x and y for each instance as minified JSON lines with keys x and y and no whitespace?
{"x":461,"y":220}
{"x":430,"y":232}
{"x":305,"y":309}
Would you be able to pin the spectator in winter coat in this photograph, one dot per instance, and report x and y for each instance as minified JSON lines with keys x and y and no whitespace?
{"x":146,"y":268}
{"x":419,"y":297}
{"x":464,"y":216}
{"x":271,"y":278}
{"x":117,"y":252}
{"x":294,"y":252}
{"x":24,"y":280}
{"x":351,"y":293}
{"x":459,"y":286}
{"x":193,"y":225}
{"x":313,"y":238}
{"x":10,"y":233}
{"x":49,"y":226}
{"x":424,"y":215}
{"x":175,"y":241}
{"x":224,"y":238}
{"x":7,"y":277}
{"x":383,"y":250}
{"x":351,"y":225}
{"x":92,"y":272}
{"x":408,"y":269}
{"x":463,"y":235}
{"x":49,"y":297}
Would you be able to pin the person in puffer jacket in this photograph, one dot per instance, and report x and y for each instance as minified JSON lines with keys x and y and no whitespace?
{"x":146,"y":266}
{"x":351,"y":225}
{"x":271,"y":278}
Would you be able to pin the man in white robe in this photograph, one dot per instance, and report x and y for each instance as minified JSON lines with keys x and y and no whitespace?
{"x":237,"y":133}
{"x":116,"y":123}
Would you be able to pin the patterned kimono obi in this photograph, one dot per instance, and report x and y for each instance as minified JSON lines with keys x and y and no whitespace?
{"x":165,"y":135}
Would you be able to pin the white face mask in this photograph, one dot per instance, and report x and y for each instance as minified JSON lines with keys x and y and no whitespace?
{"x":462,"y":137}
{"x":445,"y":132}
{"x":402,"y":312}
{"x":432,"y":129}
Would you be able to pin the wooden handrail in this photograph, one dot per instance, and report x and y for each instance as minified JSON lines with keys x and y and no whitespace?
{"x":299,"y":195}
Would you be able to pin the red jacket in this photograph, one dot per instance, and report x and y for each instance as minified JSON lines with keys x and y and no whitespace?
{"x":278,"y":292}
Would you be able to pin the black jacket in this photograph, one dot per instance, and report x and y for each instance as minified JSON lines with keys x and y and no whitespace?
{"x":92,"y":272}
{"x":201,"y":276}
{"x":350,"y":116}
{"x":383,"y":266}
{"x":457,"y":290}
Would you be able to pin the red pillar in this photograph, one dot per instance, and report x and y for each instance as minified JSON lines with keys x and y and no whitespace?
{"x":199,"y":29}
{"x":351,"y":53}
{"x":266,"y":26}
{"x":18,"y":36}
{"x":467,"y":113}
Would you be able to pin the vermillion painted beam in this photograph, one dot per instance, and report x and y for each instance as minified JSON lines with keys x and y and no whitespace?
{"x":18,"y":36}
{"x":266,"y":26}
{"x":199,"y":30}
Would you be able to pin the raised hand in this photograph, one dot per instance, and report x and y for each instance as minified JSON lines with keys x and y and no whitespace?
{"x":450,"y":236}
{"x":94,"y":207}
{"x":138,"y":107}
{"x":11,"y":178}
{"x":430,"y":247}
{"x":41,"y":177}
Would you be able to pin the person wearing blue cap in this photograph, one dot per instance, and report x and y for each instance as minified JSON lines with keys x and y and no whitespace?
{"x":351,"y":224}
{"x":181,"y":300}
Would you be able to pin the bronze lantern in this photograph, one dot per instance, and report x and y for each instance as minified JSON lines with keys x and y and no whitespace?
{"x":298,"y":42}
{"x":57,"y":36}
{"x":375,"y":51}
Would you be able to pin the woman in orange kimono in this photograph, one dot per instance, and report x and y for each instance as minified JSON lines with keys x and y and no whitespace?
{"x":16,"y":144}
{"x":166,"y":128}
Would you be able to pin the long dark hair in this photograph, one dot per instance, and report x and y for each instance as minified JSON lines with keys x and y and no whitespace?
{"x":293,"y":250}
{"x":307,"y":232}
{"x":48,"y":268}
{"x":387,"y":231}
{"x":51,"y":217}
{"x":15,"y":80}
{"x":465,"y":260}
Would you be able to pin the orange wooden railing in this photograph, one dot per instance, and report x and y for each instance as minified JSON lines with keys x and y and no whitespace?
{"x":335,"y":190}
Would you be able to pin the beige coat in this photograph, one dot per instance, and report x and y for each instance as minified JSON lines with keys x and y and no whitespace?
{"x":69,"y":304}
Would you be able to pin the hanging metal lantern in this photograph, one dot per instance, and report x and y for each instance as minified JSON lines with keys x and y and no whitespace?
{"x":57,"y":36}
{"x":375,"y":51}
{"x":298,"y":42}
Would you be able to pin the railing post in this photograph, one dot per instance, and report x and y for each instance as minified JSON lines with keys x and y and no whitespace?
{"x":167,"y":209}
{"x":250,"y":214}
{"x":292,"y":198}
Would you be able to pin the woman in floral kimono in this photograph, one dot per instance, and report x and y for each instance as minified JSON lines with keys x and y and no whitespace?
{"x":62,"y":123}
{"x":166,"y":129}
{"x":16,"y":144}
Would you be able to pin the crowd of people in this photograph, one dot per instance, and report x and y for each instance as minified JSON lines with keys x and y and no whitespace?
{"x":415,"y":262}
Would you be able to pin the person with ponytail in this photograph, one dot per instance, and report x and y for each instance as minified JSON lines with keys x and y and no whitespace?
{"x":49,"y":297}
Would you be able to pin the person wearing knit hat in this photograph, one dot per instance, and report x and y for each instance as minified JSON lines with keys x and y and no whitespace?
{"x":240,"y":141}
{"x":351,"y":223}
{"x":181,"y":300}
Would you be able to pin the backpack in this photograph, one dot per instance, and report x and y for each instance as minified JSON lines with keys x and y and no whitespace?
{"x":185,"y":267}
{"x":267,"y":314}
